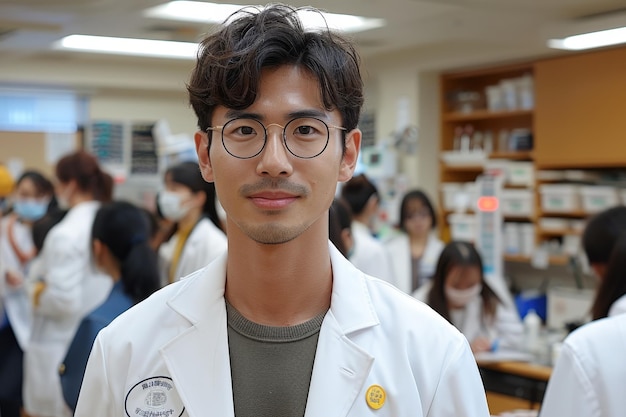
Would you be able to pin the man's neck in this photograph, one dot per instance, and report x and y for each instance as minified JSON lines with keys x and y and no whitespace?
{"x":279,"y":285}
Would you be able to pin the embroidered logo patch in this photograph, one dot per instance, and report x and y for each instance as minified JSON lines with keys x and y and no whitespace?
{"x":154,"y":397}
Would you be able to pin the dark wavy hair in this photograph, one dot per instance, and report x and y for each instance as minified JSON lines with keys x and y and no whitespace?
{"x":604,"y":242}
{"x":230,"y":62}
{"x":125,"y":230}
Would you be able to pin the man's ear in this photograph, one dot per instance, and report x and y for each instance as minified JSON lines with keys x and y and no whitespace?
{"x":204,"y":159}
{"x":351,"y":155}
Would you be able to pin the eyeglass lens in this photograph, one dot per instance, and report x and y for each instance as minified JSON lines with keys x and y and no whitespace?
{"x":304,"y":137}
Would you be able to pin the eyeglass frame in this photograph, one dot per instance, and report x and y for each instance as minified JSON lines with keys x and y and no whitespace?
{"x":284,"y":136}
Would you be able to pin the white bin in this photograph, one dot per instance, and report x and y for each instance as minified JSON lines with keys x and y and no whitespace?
{"x":517,"y":203}
{"x":560,"y":198}
{"x":462,"y":226}
{"x":597,"y":198}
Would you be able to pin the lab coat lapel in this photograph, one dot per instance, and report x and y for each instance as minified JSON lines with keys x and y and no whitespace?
{"x":341,"y":366}
{"x":198,"y":357}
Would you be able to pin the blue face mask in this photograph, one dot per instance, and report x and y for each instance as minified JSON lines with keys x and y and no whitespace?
{"x":30,"y":210}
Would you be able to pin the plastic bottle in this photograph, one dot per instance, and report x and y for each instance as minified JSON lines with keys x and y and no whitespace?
{"x":532,"y":328}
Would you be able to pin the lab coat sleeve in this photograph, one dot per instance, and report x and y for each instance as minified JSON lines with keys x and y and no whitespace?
{"x":65,"y":265}
{"x":460,"y":390}
{"x":570,"y":391}
{"x":95,"y":398}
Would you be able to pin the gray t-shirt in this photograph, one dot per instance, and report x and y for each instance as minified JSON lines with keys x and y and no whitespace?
{"x":271,"y":367}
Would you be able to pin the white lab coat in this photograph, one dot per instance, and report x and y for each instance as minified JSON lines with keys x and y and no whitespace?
{"x":506,"y":327}
{"x":399,"y":249}
{"x":73,"y":289}
{"x":15,"y":299}
{"x":588,"y":378}
{"x":205,"y":243}
{"x":369,"y":254}
{"x":372,"y":334}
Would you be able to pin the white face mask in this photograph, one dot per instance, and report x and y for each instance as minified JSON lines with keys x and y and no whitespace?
{"x":461,"y":298}
{"x":172,"y":206}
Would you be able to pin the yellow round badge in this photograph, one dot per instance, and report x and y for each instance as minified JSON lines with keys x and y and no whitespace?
{"x":375,"y":396}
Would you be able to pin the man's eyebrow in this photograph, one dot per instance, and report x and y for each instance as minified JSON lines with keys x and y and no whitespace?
{"x":238,"y":114}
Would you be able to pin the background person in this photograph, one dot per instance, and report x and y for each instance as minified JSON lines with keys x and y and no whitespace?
{"x":604,"y":243}
{"x":462,"y":295}
{"x":368,"y":254}
{"x":70,"y":287}
{"x":415,"y":250}
{"x":588,"y":377}
{"x":121,"y":249}
{"x":189,"y":202}
{"x":340,"y":220}
{"x":282,"y":323}
{"x":31,"y":199}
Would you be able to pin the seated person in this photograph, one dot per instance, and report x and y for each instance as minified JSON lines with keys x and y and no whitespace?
{"x":460,"y":293}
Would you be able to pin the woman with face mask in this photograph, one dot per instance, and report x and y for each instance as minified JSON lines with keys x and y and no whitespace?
{"x":189,"y":202}
{"x":69,"y":286}
{"x":31,"y":199}
{"x":460,"y":293}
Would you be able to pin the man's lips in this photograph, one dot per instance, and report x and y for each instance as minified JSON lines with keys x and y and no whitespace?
{"x":272,"y":200}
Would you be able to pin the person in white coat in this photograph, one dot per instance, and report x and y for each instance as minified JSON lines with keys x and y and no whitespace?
{"x":415,"y":249}
{"x":368,"y":253}
{"x":31,"y":200}
{"x":281,"y":324}
{"x":462,"y":295}
{"x":604,"y":243}
{"x":189,"y":202}
{"x":588,"y":377}
{"x":70,"y":286}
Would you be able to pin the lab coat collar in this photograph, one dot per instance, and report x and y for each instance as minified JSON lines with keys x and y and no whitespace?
{"x":204,"y":383}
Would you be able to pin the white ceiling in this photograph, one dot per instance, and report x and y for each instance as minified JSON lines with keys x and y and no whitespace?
{"x":445,"y":33}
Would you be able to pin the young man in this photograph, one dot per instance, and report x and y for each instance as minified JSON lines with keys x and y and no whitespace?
{"x":281,"y":325}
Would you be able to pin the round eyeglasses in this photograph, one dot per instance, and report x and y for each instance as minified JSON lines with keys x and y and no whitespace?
{"x":304,"y":137}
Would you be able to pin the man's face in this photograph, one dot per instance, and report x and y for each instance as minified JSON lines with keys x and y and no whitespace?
{"x":275,"y":196}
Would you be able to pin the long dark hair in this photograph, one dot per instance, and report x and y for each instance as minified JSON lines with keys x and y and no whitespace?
{"x":457,"y":253}
{"x":604,"y":242}
{"x":84,"y":168}
{"x":423,"y":198}
{"x":188,"y":174}
{"x":125,"y":230}
{"x":230,"y":62}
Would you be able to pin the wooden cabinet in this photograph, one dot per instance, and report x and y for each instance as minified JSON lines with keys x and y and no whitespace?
{"x":478,"y":125}
{"x":579,"y":111}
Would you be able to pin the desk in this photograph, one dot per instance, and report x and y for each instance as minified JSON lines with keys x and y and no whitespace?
{"x":514,"y":385}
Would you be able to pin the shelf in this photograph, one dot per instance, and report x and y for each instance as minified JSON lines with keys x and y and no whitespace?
{"x":556,"y":233}
{"x":513,"y":155}
{"x":464,"y":168}
{"x":556,"y":260}
{"x":571,"y":214}
{"x":484,"y":115}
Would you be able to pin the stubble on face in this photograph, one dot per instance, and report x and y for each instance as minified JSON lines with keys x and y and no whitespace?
{"x":273,"y":232}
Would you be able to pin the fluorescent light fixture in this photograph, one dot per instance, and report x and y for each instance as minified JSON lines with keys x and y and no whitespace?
{"x":195,"y":11}
{"x":590,"y":40}
{"x":129,"y":46}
